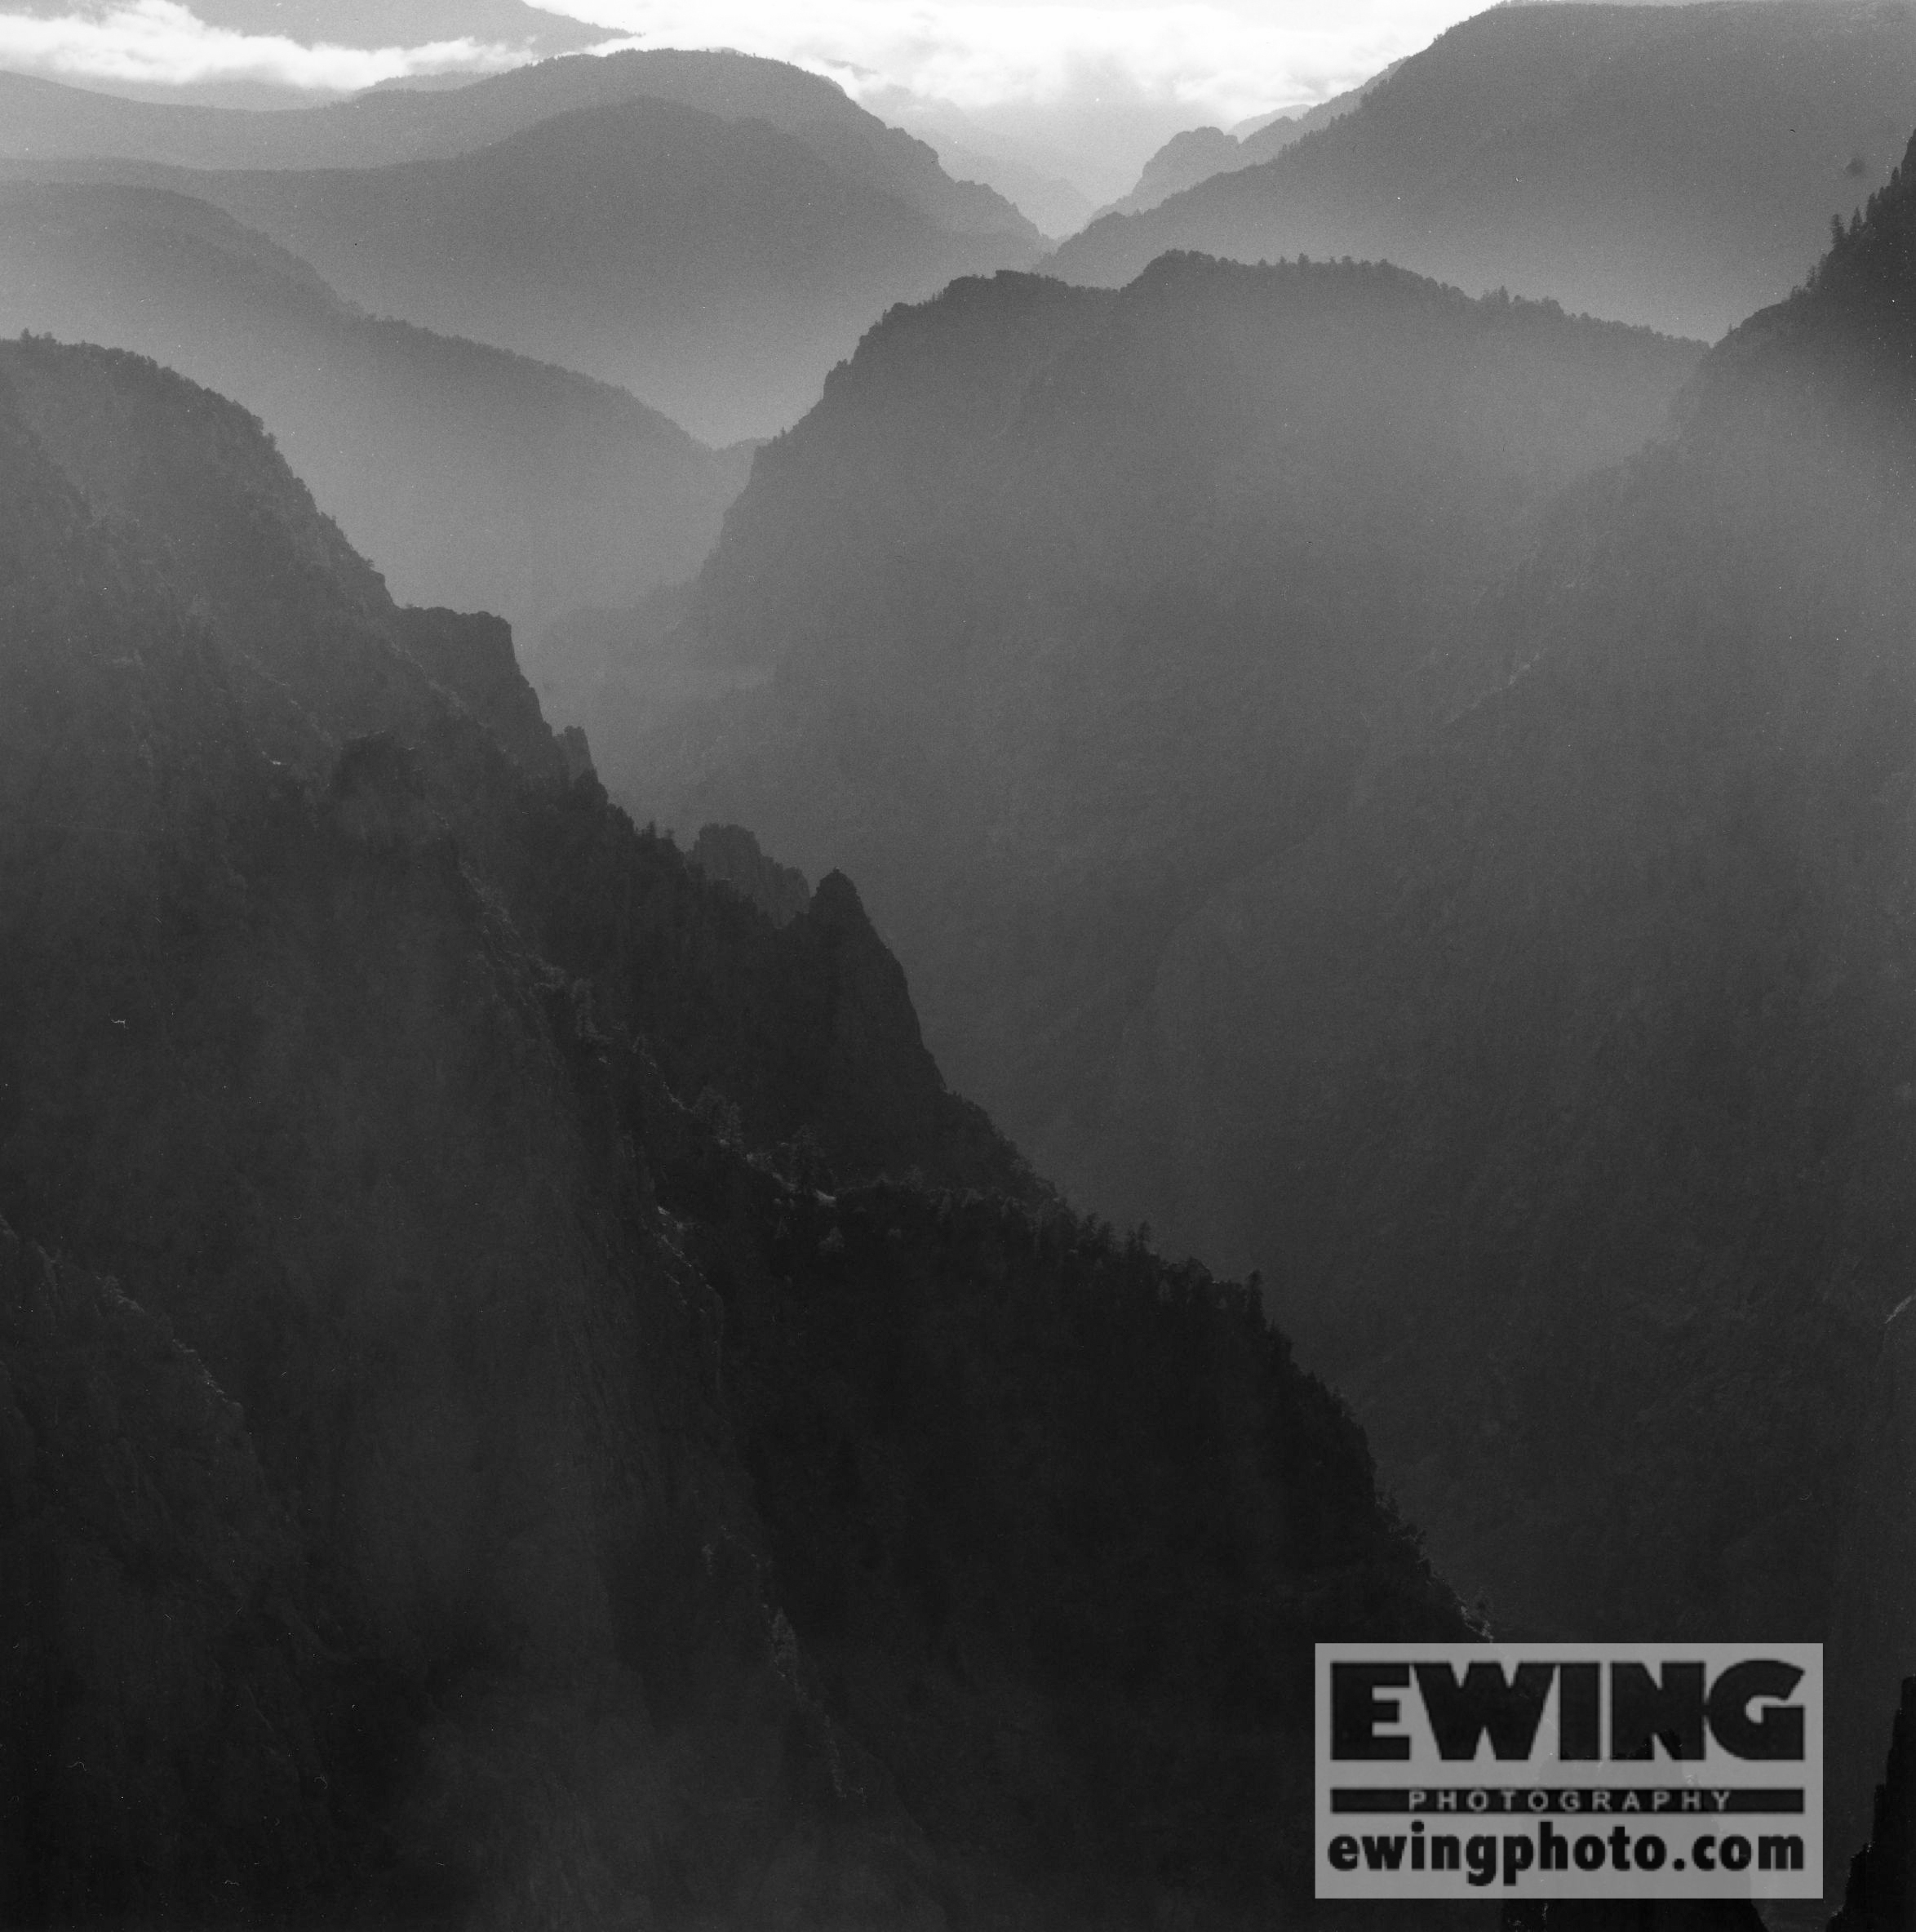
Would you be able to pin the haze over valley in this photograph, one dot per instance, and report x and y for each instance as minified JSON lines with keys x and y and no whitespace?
{"x":869,"y":900}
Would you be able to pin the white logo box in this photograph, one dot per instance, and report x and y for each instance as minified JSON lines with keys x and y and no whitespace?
{"x":1569,"y":1770}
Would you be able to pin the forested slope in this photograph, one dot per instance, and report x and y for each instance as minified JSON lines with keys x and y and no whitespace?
{"x":1564,"y":1084}
{"x":559,"y":1445}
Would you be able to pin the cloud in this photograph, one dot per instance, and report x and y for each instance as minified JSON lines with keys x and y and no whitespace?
{"x":162,"y":42}
{"x":1216,"y":58}
{"x":1224,"y":58}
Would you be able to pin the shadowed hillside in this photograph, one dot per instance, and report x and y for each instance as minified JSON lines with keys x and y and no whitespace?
{"x":556,"y":1443}
{"x":1676,"y":165}
{"x":1537,"y":1018}
{"x":1564,"y":1084}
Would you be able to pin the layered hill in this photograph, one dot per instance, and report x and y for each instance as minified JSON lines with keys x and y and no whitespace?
{"x":717,"y":269}
{"x":549,"y":1410}
{"x":709,"y":231}
{"x":1065,"y":607}
{"x":1675,"y":165}
{"x":469,"y":476}
{"x":45,"y":120}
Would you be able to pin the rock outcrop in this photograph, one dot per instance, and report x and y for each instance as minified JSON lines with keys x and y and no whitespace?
{"x":730,"y":853}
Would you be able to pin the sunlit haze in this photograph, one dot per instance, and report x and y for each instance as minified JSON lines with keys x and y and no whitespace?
{"x":1223,"y":60}
{"x":1082,"y":89}
{"x":1090,"y":89}
{"x":1224,"y":57}
{"x":1096,"y":85}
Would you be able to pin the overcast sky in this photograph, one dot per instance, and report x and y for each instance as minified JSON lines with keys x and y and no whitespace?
{"x":1202,"y":60}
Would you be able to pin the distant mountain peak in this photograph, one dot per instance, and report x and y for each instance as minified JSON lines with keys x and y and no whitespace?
{"x":1673,"y":164}
{"x":711,"y":231}
{"x":1197,"y":153}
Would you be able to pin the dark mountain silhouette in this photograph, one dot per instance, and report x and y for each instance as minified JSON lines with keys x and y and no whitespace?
{"x":1065,"y":607}
{"x":550,"y":1409}
{"x":469,"y":476}
{"x":1542,"y":1032}
{"x":1672,"y":166}
{"x":731,"y":854}
{"x":1633,"y":1915}
{"x":1871,"y":1648}
{"x":716,"y":268}
{"x":1881,"y":1895}
{"x":1199,"y":152}
{"x":1565,"y":1083}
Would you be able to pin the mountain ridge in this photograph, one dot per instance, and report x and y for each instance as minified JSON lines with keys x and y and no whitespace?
{"x":647,"y":243}
{"x":1064,"y":602}
{"x":1620,"y":159}
{"x":382,"y":128}
{"x":472,"y":476}
{"x":1199,"y":152}
{"x":1562,"y":1074}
